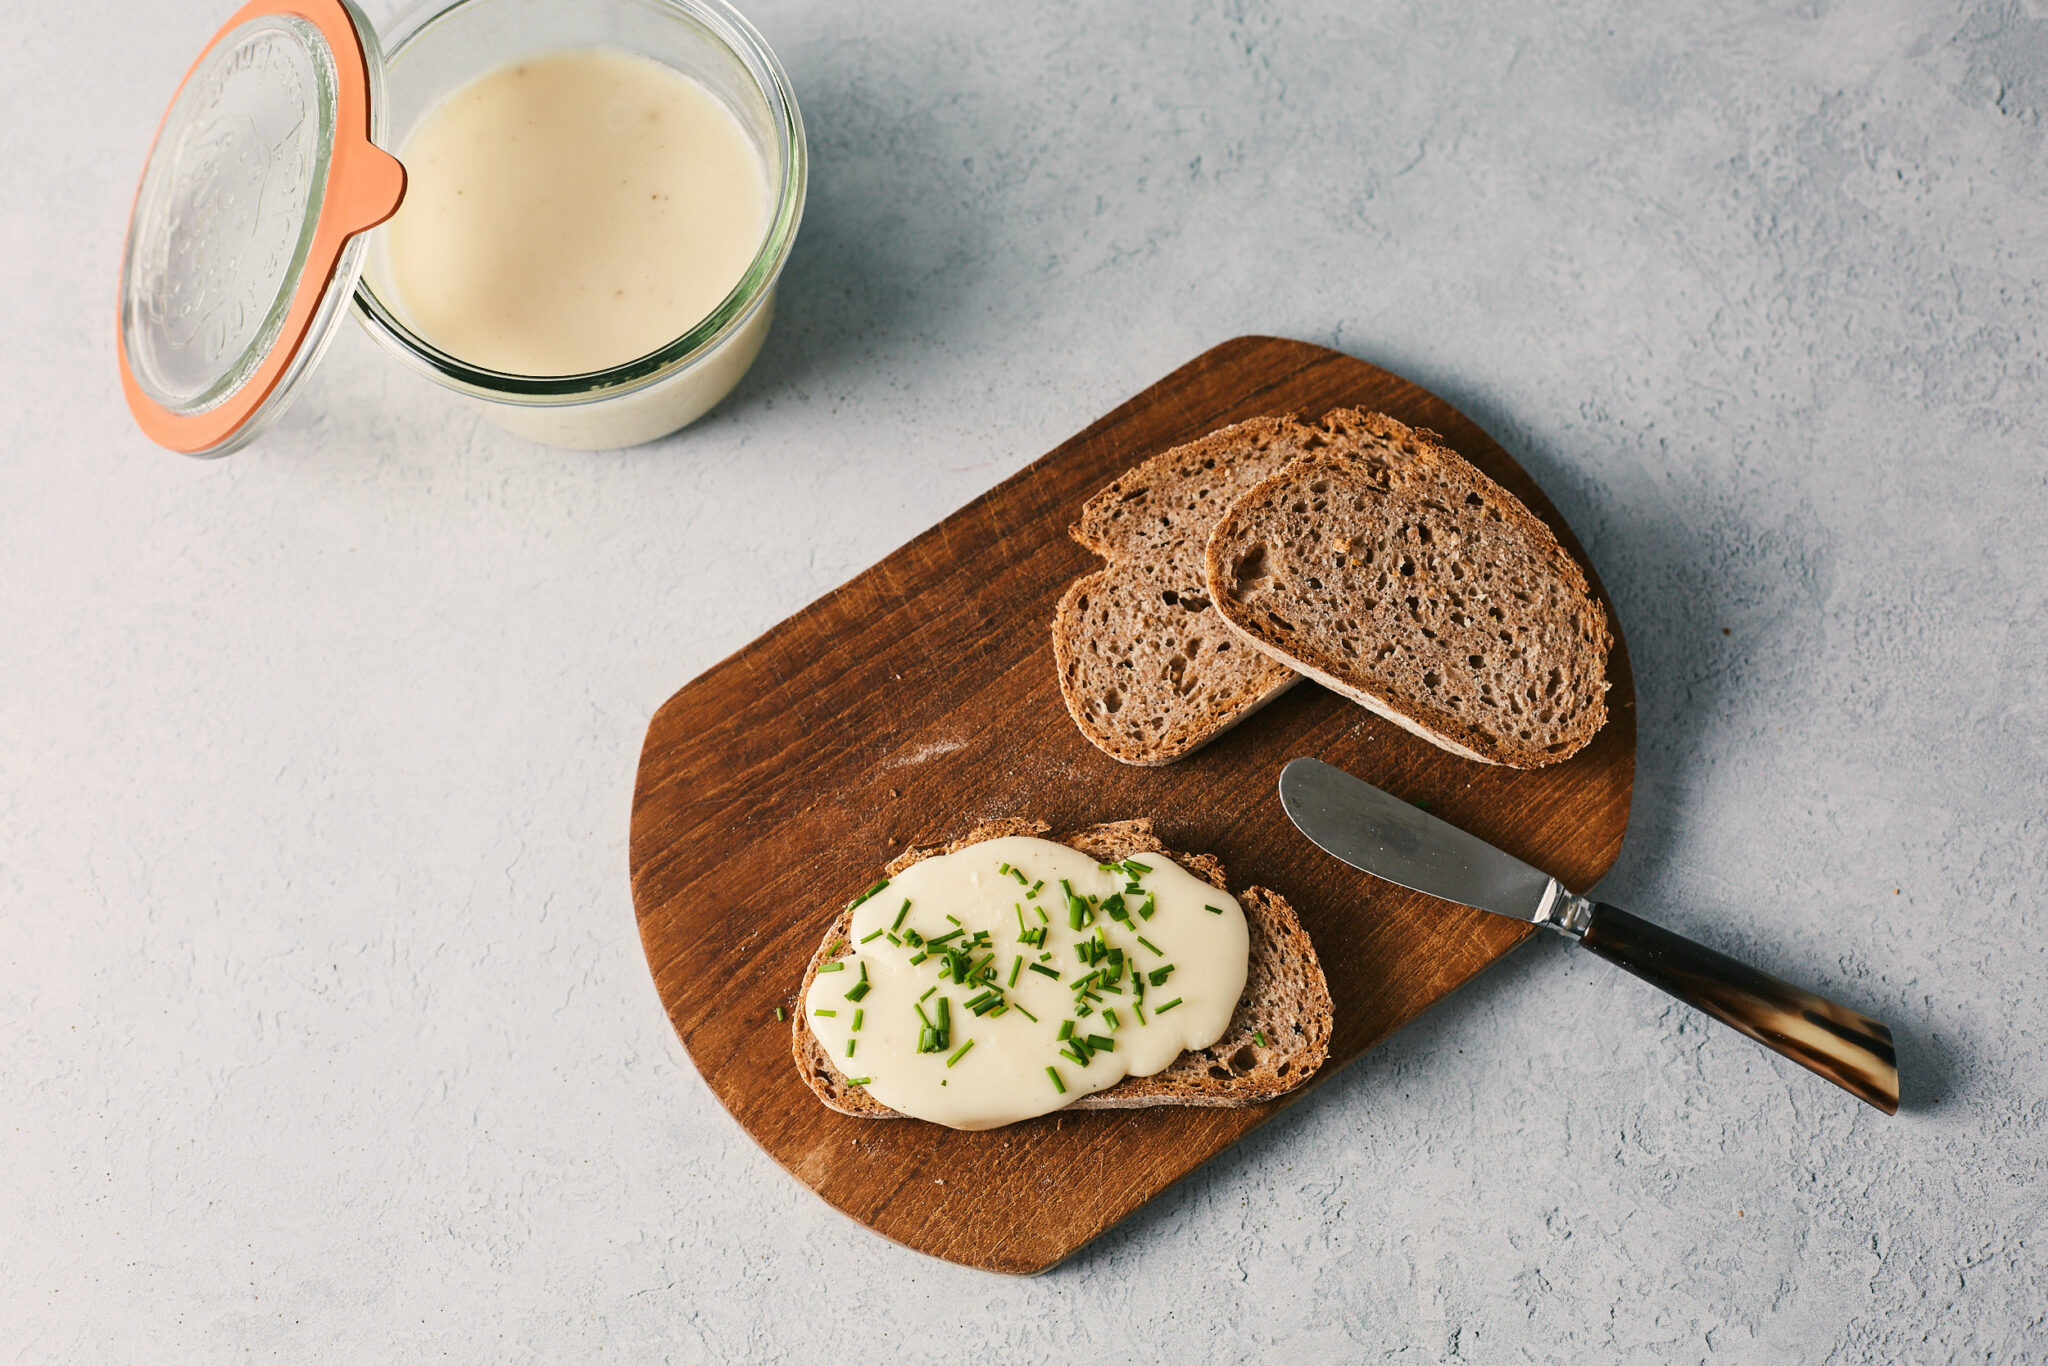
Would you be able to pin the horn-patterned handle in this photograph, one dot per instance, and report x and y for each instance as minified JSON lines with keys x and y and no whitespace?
{"x":1845,"y":1046}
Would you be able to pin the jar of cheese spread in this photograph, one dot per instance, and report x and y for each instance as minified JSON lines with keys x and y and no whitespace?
{"x":581,"y":231}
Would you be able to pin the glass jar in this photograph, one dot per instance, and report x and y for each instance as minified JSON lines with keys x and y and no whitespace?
{"x":439,"y":45}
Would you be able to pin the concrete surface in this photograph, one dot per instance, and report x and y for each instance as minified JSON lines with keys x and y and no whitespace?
{"x":324,"y":1030}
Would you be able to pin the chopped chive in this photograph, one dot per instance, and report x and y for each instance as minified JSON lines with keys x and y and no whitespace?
{"x":833,"y":1013}
{"x":960,"y":1052}
{"x":945,"y":1015}
{"x":918,"y":957}
{"x":779,"y":1015}
{"x":874,"y":935}
{"x":1022,"y":1011}
{"x":894,"y":940}
{"x":1053,"y":973}
{"x":1151,"y":904}
{"x":849,"y":1046}
{"x":863,"y":972}
{"x":1109,"y":868}
{"x":954,"y":919}
{"x":1152,"y":946}
{"x":939,"y":939}
{"x":1135,"y":868}
{"x":1018,"y":873}
{"x":1213,"y":910}
{"x":998,"y":1012}
{"x":1259,"y":1037}
{"x":1071,"y":1052}
{"x":858,"y":1015}
{"x":1036,"y":888}
{"x":1022,"y":929}
{"x":868,"y":893}
{"x":918,"y":1006}
{"x":834,"y":966}
{"x":1159,"y":975}
{"x":860,"y":989}
{"x":913,"y":938}
{"x":1114,"y":1022}
{"x":1066,"y":1030}
{"x":1140,"y":1009}
{"x":1015,"y":968}
{"x":927,"y":993}
{"x":1057,"y":1084}
{"x":1161,"y":1010}
{"x":1042,"y":915}
{"x":1098,"y":1044}
{"x":1004,"y":870}
{"x":901,"y":911}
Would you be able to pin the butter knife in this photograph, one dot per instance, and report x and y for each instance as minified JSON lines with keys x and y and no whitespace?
{"x":1398,"y":841}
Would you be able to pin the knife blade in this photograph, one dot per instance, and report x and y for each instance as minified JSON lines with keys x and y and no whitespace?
{"x":1380,"y":834}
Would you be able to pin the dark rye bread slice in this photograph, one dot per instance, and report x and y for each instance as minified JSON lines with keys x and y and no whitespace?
{"x":1147,"y":670}
{"x":1285,"y":997}
{"x":1383,"y":565}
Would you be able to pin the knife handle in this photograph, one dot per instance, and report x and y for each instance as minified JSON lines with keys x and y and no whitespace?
{"x":1844,"y":1046}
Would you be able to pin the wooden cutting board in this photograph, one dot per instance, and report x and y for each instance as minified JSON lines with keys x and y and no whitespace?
{"x":920,"y":699}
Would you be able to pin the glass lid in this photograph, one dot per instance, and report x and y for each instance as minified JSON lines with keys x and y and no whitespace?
{"x":246,"y":236}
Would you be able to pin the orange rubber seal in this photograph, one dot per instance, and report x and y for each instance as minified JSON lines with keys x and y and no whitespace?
{"x":365,"y":185}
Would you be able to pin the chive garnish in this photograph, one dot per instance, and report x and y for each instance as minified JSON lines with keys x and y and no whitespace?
{"x":945,"y":1015}
{"x":1152,"y":946}
{"x":1057,"y":1084}
{"x":860,"y":989}
{"x":927,"y":993}
{"x":1159,"y":975}
{"x":858,"y":1016}
{"x":1139,"y":1010}
{"x":1036,"y":888}
{"x":834,"y":966}
{"x":833,"y":1013}
{"x":901,"y":911}
{"x":1114,"y":1022}
{"x":1151,"y":904}
{"x":894,"y":940}
{"x":876,"y":934}
{"x":960,"y":1052}
{"x":954,"y":919}
{"x":1098,"y":1044}
{"x":1213,"y":910}
{"x":1066,"y":1030}
{"x":1004,"y":870}
{"x":868,"y":893}
{"x":849,"y":1046}
{"x":939,"y":939}
{"x":1161,"y":1010}
{"x":779,"y":1015}
{"x":1016,"y":968}
{"x":1259,"y":1037}
{"x":1071,"y":1052}
{"x":918,"y":957}
{"x":1018,"y":873}
{"x":858,"y":1081}
{"x":1053,"y":973}
{"x":1135,"y":868}
{"x":1109,"y":868}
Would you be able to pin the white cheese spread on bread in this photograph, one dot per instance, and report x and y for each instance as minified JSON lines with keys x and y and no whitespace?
{"x":1014,"y":976}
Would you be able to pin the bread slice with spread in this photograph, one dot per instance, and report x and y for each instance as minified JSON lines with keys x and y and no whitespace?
{"x":1383,"y":565}
{"x":1278,"y":1033}
{"x":1146,"y":669}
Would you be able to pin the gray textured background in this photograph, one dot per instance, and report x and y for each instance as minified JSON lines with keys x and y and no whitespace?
{"x":324,"y":1029}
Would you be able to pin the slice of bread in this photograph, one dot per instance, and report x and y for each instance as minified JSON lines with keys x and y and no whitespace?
{"x":1383,"y":565}
{"x":1148,"y":672}
{"x":1285,"y":1001}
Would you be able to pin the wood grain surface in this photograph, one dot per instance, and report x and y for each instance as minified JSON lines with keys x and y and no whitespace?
{"x":920,"y":698}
